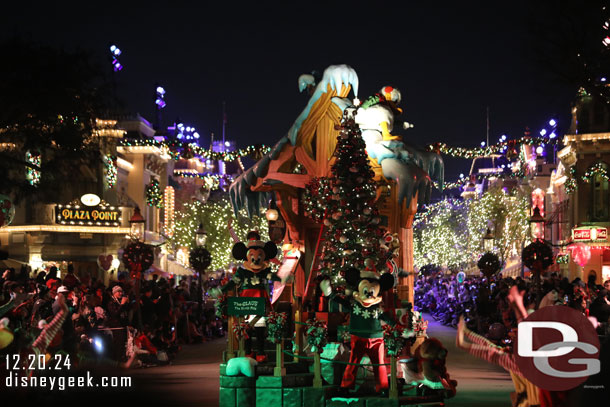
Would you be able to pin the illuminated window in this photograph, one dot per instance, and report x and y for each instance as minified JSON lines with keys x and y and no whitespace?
{"x":599,"y":195}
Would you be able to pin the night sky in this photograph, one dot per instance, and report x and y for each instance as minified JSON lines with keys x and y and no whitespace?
{"x":449,"y":59}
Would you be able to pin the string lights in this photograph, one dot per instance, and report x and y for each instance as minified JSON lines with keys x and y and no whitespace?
{"x":215,"y":216}
{"x":169,"y":213}
{"x":153,"y":194}
{"x":32,"y":174}
{"x":110,"y":169}
{"x":211,"y":181}
{"x":177,"y":149}
{"x":596,"y":170}
{"x":450,"y":232}
{"x":499,"y":148}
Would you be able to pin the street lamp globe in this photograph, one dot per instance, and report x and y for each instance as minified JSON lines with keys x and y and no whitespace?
{"x":488,"y":241}
{"x":537,"y":224}
{"x":201,"y":236}
{"x":137,"y":223}
{"x":271,"y":214}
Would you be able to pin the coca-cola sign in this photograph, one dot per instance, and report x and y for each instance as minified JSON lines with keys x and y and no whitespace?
{"x":589,"y":233}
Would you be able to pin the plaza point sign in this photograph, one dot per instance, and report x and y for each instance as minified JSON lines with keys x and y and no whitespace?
{"x":88,"y":215}
{"x":589,"y":233}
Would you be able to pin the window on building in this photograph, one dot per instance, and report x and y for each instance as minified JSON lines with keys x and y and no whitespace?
{"x":599,"y":197}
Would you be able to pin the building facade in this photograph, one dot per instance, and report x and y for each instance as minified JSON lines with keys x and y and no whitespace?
{"x":581,"y":194}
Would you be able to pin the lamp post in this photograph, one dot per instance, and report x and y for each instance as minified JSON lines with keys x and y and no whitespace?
{"x":537,"y":224}
{"x":200,"y":258}
{"x":277,"y":225}
{"x":488,"y":241}
{"x":272,"y":214}
{"x":538,"y":255}
{"x":136,"y":224}
{"x":201,"y":236}
{"x":137,"y":256}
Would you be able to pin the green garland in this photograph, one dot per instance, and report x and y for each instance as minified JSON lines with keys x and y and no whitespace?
{"x":154,"y":197}
{"x":470,"y":153}
{"x":537,"y":256}
{"x":7,"y":210}
{"x":240,"y":329}
{"x":489,"y":264}
{"x":571,"y":185}
{"x":200,"y":258}
{"x":276,"y":324}
{"x":317,"y":334}
{"x":138,"y":257}
{"x":393,"y":339}
{"x":597,"y":169}
{"x":110,"y":169}
{"x":185,"y":150}
{"x":562,"y":258}
{"x":211,"y":181}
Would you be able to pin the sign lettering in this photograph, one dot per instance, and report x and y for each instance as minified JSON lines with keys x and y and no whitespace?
{"x":95,"y":215}
{"x":589,"y":233}
{"x":246,"y":306}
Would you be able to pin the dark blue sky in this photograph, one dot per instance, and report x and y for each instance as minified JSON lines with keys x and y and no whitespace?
{"x":450,"y":60}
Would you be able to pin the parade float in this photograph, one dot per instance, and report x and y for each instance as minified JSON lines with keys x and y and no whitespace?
{"x":345,"y":187}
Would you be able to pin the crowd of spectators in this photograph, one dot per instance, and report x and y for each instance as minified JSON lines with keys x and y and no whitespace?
{"x":485,"y":301}
{"x":121,"y":323}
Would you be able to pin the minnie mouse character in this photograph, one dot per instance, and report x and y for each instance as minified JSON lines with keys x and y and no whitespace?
{"x":252,"y":280}
{"x":366,"y":314}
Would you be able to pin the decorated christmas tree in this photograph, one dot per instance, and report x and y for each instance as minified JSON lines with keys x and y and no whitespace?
{"x":345,"y":204}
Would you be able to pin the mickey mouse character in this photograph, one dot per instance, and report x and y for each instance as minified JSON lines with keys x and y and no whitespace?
{"x":366,"y":312}
{"x":252,"y":280}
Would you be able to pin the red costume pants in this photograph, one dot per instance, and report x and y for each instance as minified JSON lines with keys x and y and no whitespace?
{"x":374,"y":348}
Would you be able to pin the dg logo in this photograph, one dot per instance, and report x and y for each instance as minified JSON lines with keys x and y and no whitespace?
{"x":557,"y":348}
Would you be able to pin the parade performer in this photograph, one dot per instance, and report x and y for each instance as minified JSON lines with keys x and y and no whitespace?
{"x":366,"y":314}
{"x":251,"y":279}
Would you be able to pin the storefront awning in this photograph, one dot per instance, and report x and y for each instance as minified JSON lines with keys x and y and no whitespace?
{"x":173,"y":267}
{"x":11,"y":263}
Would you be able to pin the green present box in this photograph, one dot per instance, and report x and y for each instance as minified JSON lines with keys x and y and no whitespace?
{"x":268,"y":397}
{"x":315,"y":396}
{"x":237,"y":381}
{"x":227,"y":397}
{"x":292,"y":397}
{"x":275,"y":381}
{"x":246,"y":397}
{"x":303,"y":379}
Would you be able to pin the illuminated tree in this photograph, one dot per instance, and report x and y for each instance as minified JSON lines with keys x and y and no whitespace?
{"x":450,"y":232}
{"x":506,"y":214}
{"x":215,"y":215}
{"x":440,"y":234}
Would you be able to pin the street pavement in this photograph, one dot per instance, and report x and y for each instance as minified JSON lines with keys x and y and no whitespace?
{"x":479,"y":383}
{"x":192,"y":379}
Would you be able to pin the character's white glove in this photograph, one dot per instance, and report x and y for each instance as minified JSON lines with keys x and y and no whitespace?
{"x":326,"y":288}
{"x":407,"y":333}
